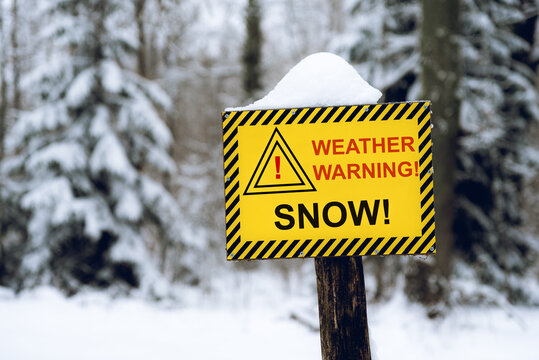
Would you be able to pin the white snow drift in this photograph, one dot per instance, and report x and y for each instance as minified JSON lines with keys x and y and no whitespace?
{"x":321,"y":79}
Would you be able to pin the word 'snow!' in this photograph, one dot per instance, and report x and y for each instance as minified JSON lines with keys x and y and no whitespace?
{"x":329,"y":181}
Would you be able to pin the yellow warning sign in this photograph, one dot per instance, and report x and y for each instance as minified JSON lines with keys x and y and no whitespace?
{"x":333,"y":181}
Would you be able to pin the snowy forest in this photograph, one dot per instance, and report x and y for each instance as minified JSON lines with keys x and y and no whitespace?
{"x":111,"y":154}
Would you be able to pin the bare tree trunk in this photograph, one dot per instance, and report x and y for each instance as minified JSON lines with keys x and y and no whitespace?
{"x":252,"y":51}
{"x":141,"y":54}
{"x":15,"y":58}
{"x":342,"y":306}
{"x":336,"y":16}
{"x":440,"y":79}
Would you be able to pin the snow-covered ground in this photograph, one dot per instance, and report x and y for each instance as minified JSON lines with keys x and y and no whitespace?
{"x":401,"y":331}
{"x":247,"y":325}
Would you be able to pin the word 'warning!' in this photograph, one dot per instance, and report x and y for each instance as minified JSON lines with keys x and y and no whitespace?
{"x":329,"y":181}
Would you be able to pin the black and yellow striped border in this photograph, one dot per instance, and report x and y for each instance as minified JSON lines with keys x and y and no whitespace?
{"x":250,"y":249}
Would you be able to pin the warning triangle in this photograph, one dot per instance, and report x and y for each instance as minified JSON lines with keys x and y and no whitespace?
{"x":278,"y":170}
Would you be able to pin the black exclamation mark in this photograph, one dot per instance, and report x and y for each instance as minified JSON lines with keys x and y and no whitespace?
{"x":386,"y":211}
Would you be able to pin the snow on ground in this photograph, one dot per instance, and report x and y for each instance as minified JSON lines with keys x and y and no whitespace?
{"x":321,"y":79}
{"x":44,"y":325}
{"x":402,"y":331}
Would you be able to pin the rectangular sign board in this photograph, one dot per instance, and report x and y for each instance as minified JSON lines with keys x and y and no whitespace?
{"x":329,"y":181}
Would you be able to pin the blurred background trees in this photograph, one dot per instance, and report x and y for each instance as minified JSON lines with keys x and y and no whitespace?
{"x":499,"y":108}
{"x":418,"y":50}
{"x":146,"y":80}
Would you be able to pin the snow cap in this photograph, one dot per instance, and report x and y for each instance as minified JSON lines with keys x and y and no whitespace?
{"x":321,"y":79}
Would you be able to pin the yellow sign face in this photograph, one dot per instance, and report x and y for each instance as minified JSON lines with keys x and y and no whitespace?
{"x":332,"y":181}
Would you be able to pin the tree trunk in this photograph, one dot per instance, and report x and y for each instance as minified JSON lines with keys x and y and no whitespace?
{"x":440,"y":81}
{"x":342,"y":306}
{"x":15,"y":57}
{"x":336,"y":15}
{"x":252,"y":51}
{"x":141,"y":53}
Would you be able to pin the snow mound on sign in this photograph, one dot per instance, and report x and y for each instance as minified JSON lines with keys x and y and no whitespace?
{"x":321,"y":79}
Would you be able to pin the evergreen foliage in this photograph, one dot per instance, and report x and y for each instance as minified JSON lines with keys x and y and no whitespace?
{"x":86,"y":180}
{"x":3,"y":121}
{"x":382,"y":41}
{"x":88,"y":161}
{"x":499,"y":106}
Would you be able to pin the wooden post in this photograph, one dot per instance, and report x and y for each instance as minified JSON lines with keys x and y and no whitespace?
{"x":342,"y":306}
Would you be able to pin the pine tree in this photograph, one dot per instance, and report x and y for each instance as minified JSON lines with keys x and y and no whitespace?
{"x":382,"y":42}
{"x":252,"y":51}
{"x":499,"y":105}
{"x":3,"y":111}
{"x":89,"y":157}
